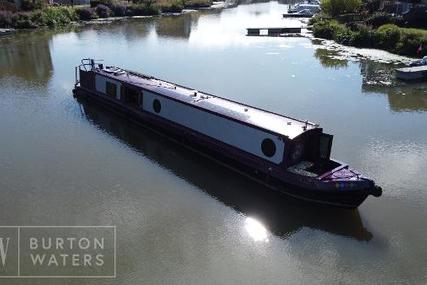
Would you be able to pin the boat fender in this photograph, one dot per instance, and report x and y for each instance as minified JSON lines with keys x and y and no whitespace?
{"x":376,"y":191}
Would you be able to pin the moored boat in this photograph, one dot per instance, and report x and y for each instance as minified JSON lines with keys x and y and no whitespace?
{"x":411,"y":73}
{"x":306,"y":13}
{"x":312,"y":6}
{"x":290,"y":154}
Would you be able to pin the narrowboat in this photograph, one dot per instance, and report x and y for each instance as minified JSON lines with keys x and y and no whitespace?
{"x":291,"y":155}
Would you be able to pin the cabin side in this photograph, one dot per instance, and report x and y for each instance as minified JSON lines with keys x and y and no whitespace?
{"x":307,"y":154}
{"x":255,"y":141}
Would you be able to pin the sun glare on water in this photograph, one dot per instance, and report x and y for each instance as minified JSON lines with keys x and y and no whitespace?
{"x":256,"y":230}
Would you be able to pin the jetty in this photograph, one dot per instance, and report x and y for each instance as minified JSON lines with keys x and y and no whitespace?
{"x":274,"y":32}
{"x":412,"y":73}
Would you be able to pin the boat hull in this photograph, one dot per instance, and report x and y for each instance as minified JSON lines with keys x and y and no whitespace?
{"x":412,"y":73}
{"x":311,"y":190}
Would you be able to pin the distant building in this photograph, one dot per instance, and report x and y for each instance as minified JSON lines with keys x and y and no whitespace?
{"x":395,"y":7}
{"x":400,"y":7}
{"x":10,"y":5}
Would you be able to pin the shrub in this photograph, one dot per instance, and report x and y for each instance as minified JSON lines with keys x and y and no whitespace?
{"x":174,"y":6}
{"x":22,"y":20}
{"x":196,"y":4}
{"x":349,"y":17}
{"x":119,"y":10}
{"x":5,"y":19}
{"x":30,"y":5}
{"x":388,"y":36}
{"x":86,"y":14}
{"x":327,"y":29}
{"x":378,"y":19}
{"x":103,"y":11}
{"x":142,"y":10}
{"x":57,"y":16}
{"x":364,"y":37}
{"x":410,"y":40}
{"x":345,"y":37}
{"x":108,"y":3}
{"x":338,"y":7}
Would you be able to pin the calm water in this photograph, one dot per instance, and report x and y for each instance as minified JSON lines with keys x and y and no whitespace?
{"x":180,"y":218}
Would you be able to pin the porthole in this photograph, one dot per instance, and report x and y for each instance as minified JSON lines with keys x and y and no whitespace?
{"x":268,"y":147}
{"x":157,"y":106}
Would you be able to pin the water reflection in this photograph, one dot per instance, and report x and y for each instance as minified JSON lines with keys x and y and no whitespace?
{"x":378,"y":77}
{"x":402,"y":96}
{"x":26,"y":56}
{"x":256,"y":230}
{"x":329,"y":59}
{"x":280,"y":214}
{"x":176,"y":26}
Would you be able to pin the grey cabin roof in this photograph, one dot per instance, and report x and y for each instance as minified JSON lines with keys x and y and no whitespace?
{"x":273,"y":122}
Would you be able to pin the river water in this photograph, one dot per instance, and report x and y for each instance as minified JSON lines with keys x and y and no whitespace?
{"x":181,"y":218}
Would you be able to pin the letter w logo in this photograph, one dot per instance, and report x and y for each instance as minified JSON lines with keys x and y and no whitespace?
{"x":3,"y":250}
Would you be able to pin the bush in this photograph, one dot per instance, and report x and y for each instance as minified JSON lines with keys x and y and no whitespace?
{"x":345,"y":37}
{"x":174,"y":6}
{"x":30,"y":5}
{"x":410,"y":41}
{"x":388,"y":36}
{"x":196,"y":4}
{"x":5,"y":19}
{"x":142,"y":10}
{"x":22,"y":20}
{"x":327,"y":29}
{"x":86,"y":14}
{"x":119,"y":10}
{"x":56,"y":16}
{"x":103,"y":11}
{"x":352,"y":17}
{"x":378,"y":19}
{"x":108,"y":3}
{"x":338,"y":7}
{"x":364,"y":37}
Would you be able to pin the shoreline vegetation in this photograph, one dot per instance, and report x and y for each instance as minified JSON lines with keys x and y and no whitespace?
{"x":349,"y":22}
{"x":35,"y":14}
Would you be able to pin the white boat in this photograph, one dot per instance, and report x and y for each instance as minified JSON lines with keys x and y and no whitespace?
{"x":313,"y":6}
{"x":419,"y":62}
{"x":305,"y":13}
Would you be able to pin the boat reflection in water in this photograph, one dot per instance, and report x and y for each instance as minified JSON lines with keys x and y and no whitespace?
{"x":280,"y":214}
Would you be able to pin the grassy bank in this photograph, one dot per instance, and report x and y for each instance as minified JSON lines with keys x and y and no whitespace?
{"x":34,"y":16}
{"x":389,"y":37}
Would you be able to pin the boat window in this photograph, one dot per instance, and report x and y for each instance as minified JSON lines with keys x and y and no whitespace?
{"x":111,"y":89}
{"x":157,"y":106}
{"x":268,"y":147}
{"x":298,"y":152}
{"x":132,"y":96}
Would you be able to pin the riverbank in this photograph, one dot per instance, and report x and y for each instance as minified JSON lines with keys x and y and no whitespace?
{"x":389,"y":37}
{"x":105,"y":9}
